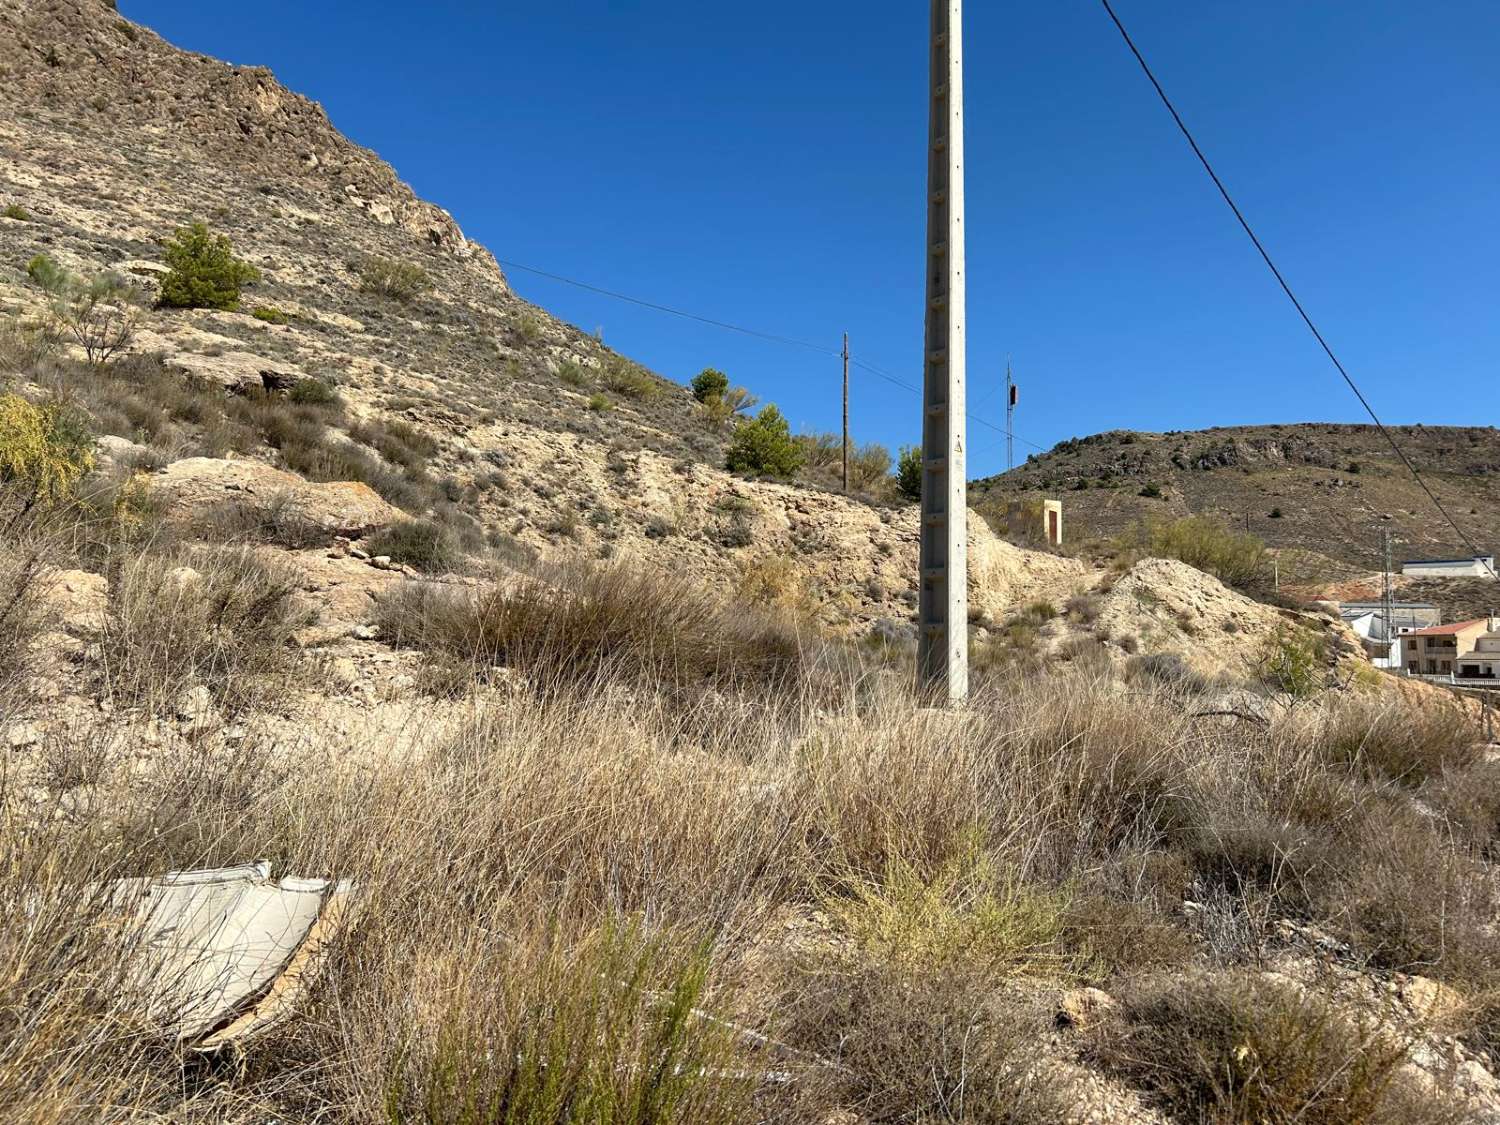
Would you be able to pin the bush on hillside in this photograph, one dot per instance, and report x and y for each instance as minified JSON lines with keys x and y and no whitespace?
{"x":422,"y":543}
{"x":45,"y":450}
{"x":400,"y":281}
{"x":764,"y":447}
{"x":1206,"y":544}
{"x":710,"y":384}
{"x":205,"y":274}
{"x":99,"y":314}
{"x":16,"y":211}
{"x":625,"y":378}
{"x":909,"y":473}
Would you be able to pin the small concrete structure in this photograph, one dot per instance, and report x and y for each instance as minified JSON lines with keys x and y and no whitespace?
{"x":1480,"y":566}
{"x":1037,"y":519}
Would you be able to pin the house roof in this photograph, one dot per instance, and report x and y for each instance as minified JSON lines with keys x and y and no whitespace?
{"x":1444,"y":630}
{"x":1447,"y":562}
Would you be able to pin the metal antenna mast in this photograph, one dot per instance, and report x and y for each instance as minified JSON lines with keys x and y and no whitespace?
{"x":943,"y":642}
{"x":1388,"y":596}
{"x":1010,"y":418}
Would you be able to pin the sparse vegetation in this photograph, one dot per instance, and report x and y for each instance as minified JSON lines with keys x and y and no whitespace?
{"x":205,"y":274}
{"x":271,"y":315}
{"x":403,"y":282}
{"x":99,"y":314}
{"x":764,"y":447}
{"x":17,"y":212}
{"x":625,"y":378}
{"x":909,"y":473}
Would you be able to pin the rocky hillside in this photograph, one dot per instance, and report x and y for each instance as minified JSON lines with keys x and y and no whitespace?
{"x":1330,"y":489}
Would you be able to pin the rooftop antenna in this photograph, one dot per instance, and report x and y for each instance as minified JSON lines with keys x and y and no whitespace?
{"x":943,"y":617}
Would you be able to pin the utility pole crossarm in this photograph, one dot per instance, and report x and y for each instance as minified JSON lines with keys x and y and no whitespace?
{"x":943,"y":626}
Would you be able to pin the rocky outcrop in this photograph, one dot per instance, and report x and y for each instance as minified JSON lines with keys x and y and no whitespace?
{"x":71,"y":54}
{"x":199,"y":486}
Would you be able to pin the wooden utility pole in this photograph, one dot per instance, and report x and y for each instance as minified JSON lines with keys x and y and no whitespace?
{"x":846,"y":412}
{"x":943,"y":618}
{"x":1010,"y":418}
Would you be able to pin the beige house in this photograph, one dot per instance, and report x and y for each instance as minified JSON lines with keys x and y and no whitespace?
{"x":1483,"y":662}
{"x":1435,"y":651}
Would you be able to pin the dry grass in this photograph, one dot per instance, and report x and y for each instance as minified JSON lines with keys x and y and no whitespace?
{"x":1242,"y":1048}
{"x":219,"y":617}
{"x":563,"y":876}
{"x":590,"y":626}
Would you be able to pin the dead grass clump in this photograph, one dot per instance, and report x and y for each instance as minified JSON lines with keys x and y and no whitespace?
{"x":220,"y":617}
{"x":594,"y":625}
{"x":1406,"y":743}
{"x":25,"y":550}
{"x":1245,"y":1048}
{"x":937,"y":1046}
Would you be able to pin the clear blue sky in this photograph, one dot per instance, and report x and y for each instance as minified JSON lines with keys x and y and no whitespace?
{"x":763,"y":163}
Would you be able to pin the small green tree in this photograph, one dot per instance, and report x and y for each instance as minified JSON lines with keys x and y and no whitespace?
{"x":710,"y":384}
{"x":909,"y":472}
{"x":764,"y":446}
{"x":205,"y":274}
{"x":99,"y":314}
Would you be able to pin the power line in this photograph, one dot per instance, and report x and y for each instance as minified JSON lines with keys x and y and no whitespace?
{"x":771,"y":336}
{"x":667,"y":309}
{"x":1286,"y":288}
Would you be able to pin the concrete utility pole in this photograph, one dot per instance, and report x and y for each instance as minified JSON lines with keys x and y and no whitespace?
{"x":846,"y":412}
{"x":943,"y":619}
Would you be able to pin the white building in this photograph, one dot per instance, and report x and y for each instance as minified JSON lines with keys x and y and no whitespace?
{"x":1480,"y":566}
{"x":1383,"y":645}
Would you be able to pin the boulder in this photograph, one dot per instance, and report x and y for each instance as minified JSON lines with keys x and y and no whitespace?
{"x":1435,"y":1004}
{"x":197,"y":485}
{"x":79,"y":599}
{"x":237,"y":371}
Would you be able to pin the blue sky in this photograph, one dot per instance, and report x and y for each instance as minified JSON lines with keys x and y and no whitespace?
{"x":763,"y":164}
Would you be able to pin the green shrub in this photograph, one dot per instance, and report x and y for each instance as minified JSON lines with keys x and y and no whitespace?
{"x":1276,"y":513}
{"x":764,"y":447}
{"x":313,"y":392}
{"x":1204,"y":543}
{"x":909,"y":470}
{"x":710,"y":384}
{"x":600,"y":403}
{"x":205,"y":274}
{"x":424,"y":544}
{"x":1292,"y":663}
{"x":571,"y":374}
{"x":45,"y":450}
{"x":1151,"y":492}
{"x":48,"y":274}
{"x":271,"y":315}
{"x":625,"y":378}
{"x":400,"y":281}
{"x":16,"y":211}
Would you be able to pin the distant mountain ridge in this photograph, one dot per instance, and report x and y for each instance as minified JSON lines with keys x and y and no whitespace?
{"x":1329,"y":488}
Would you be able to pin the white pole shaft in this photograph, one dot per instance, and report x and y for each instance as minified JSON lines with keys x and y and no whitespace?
{"x":943,"y":617}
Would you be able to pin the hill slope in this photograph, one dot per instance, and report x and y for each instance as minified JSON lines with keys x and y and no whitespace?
{"x":1329,"y":489}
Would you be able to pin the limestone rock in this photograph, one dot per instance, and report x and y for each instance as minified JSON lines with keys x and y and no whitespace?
{"x":1085,"y":1008}
{"x":79,"y":600}
{"x":195,"y":486}
{"x":237,"y":371}
{"x":1436,"y":1004}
